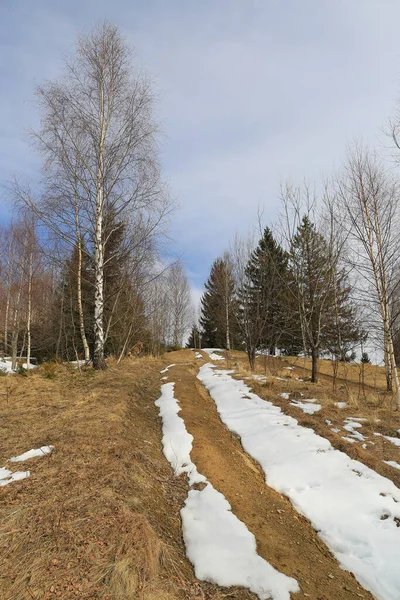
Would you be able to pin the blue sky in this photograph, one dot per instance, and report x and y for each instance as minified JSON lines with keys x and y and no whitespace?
{"x":250,"y":93}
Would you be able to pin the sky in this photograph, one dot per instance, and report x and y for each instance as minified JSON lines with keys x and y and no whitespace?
{"x":250,"y":93}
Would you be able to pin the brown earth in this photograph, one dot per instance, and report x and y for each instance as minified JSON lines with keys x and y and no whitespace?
{"x":99,"y":517}
{"x":284,"y":538}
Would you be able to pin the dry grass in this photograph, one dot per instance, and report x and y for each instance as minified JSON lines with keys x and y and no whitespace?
{"x":99,"y":517}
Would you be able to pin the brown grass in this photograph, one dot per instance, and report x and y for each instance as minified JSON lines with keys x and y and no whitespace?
{"x":99,"y":517}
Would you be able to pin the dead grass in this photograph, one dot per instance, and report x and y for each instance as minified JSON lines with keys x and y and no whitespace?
{"x":99,"y":517}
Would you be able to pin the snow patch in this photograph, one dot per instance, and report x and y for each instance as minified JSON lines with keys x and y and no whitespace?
{"x":7,"y":476}
{"x":354,"y":509}
{"x":341,"y":404}
{"x":32,"y":454}
{"x":220,"y":547}
{"x":166,"y":368}
{"x":307,"y":407}
{"x":392,"y":440}
{"x":392,"y":463}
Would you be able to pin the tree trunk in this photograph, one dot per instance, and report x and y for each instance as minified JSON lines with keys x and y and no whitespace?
{"x":314,"y":367}
{"x":98,"y":356}
{"x":80,"y":307}
{"x":29,"y":316}
{"x":251,"y":353}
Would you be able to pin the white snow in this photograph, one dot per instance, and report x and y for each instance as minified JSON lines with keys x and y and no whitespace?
{"x":5,"y":366}
{"x":392,"y":440}
{"x":7,"y":476}
{"x":351,"y":427}
{"x":392,"y":463}
{"x":335,"y":430}
{"x":32,"y":453}
{"x":211,"y":353}
{"x":223,"y":550}
{"x":285,"y":395}
{"x":352,"y":507}
{"x":341,"y":404}
{"x":220,"y":547}
{"x":307,"y":406}
{"x":166,"y":368}
{"x":198,"y":355}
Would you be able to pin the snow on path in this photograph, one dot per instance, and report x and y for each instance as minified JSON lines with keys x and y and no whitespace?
{"x":220,"y":547}
{"x":211,"y":353}
{"x":32,"y":454}
{"x":354,"y":509}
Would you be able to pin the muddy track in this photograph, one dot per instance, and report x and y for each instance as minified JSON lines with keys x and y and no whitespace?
{"x":284,"y":538}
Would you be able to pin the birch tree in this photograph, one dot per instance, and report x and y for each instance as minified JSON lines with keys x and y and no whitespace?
{"x":98,"y":139}
{"x":368,"y":199}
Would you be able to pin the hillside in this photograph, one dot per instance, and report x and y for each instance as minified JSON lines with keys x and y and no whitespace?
{"x":99,"y":516}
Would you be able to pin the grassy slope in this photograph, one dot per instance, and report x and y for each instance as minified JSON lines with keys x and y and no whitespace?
{"x":99,"y":518}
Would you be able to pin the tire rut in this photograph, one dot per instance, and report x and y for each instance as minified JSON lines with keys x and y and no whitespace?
{"x":284,"y":537}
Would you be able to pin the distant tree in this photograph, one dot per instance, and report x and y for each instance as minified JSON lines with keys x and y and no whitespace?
{"x":219,"y":306}
{"x":365,"y":358}
{"x":266,"y":294}
{"x":180,"y":303}
{"x":313,"y":263}
{"x":195,"y":338}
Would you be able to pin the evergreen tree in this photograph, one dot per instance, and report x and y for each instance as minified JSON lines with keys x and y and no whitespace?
{"x":266,"y":273}
{"x":325,"y":311}
{"x":195,"y":338}
{"x":219,"y":307}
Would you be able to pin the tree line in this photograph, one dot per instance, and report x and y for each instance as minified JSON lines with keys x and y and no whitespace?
{"x":325,"y":281}
{"x":82,"y":261}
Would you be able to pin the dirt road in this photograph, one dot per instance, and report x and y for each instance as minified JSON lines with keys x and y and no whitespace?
{"x":284,"y":538}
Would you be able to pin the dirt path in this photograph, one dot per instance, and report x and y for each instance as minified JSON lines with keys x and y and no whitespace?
{"x":284,"y":538}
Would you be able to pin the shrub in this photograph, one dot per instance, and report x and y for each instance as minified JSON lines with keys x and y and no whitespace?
{"x":49,"y":370}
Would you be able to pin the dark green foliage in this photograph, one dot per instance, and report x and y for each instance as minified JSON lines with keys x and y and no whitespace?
{"x":219,"y":308}
{"x":365,"y":358}
{"x":195,"y":338}
{"x":264,"y":297}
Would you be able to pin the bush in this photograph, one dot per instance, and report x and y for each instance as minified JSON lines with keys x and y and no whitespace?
{"x":49,"y":370}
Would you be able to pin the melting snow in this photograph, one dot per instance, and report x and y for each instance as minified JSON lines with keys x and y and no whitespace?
{"x":7,"y":476}
{"x":307,"y":406}
{"x":392,"y":440}
{"x":166,"y":368}
{"x":32,"y":453}
{"x":220,"y":547}
{"x":392,"y":463}
{"x":353,"y":508}
{"x":341,"y":404}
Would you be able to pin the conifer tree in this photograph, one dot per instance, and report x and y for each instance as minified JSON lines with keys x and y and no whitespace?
{"x":195,"y":338}
{"x":325,"y":311}
{"x":266,"y":275}
{"x":219,"y":307}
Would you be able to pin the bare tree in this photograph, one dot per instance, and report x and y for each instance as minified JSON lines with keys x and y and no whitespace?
{"x":368,"y":198}
{"x":180,"y":303}
{"x":98,"y":140}
{"x":313,"y":263}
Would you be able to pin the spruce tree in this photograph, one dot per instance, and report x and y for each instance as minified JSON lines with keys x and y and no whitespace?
{"x":266,"y":271}
{"x":195,"y":338}
{"x":325,"y":311}
{"x":219,"y":307}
